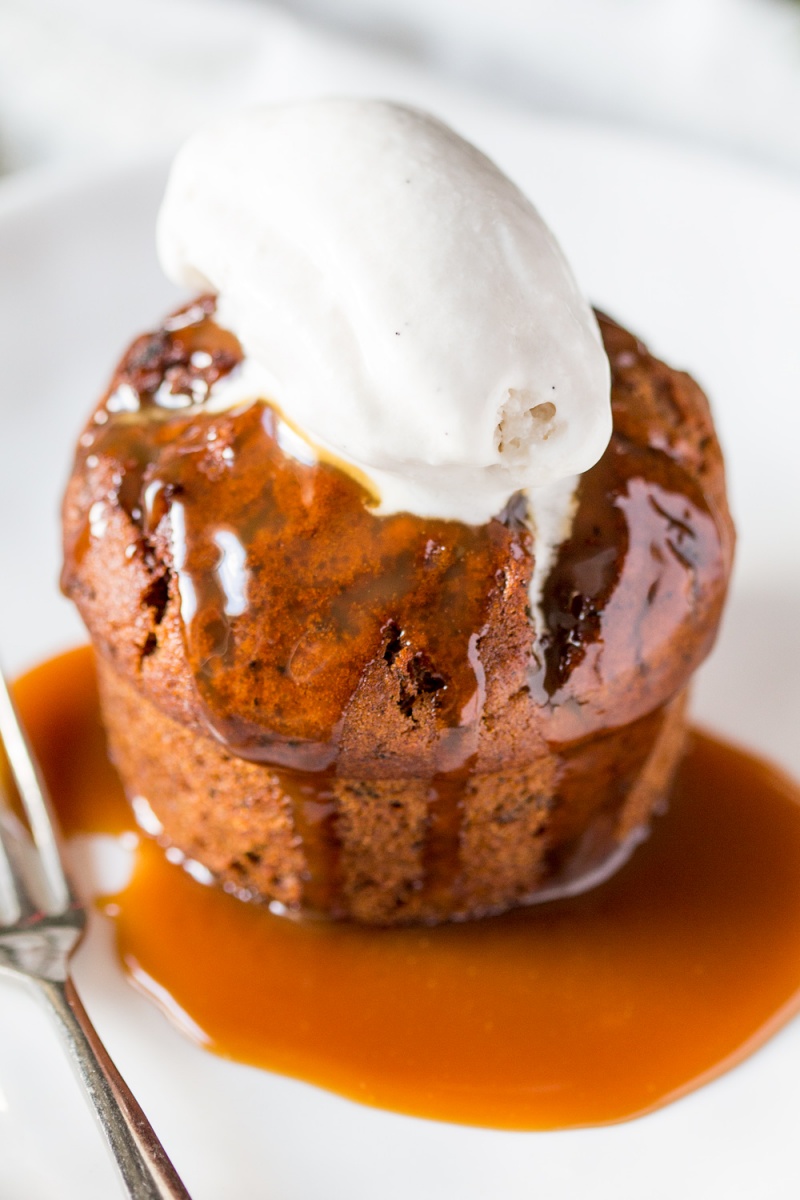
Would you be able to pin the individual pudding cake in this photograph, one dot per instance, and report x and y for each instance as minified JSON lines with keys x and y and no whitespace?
{"x":395,"y":600}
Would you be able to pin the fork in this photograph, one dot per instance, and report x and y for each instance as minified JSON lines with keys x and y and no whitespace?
{"x":41,"y":924}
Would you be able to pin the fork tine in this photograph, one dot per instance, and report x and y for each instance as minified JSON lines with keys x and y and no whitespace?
{"x":35,"y":800}
{"x":16,"y":900}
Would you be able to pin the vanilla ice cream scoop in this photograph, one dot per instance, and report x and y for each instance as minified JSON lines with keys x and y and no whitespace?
{"x":397,"y":297}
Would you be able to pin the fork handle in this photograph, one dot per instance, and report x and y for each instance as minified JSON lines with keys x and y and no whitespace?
{"x":141,"y":1160}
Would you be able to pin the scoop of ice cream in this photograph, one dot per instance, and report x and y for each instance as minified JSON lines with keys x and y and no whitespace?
{"x":398,"y":298}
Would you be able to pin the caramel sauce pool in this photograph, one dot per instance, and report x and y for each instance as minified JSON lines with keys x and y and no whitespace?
{"x":578,"y":1012}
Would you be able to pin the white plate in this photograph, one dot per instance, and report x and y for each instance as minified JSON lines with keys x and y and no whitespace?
{"x":702,"y":259}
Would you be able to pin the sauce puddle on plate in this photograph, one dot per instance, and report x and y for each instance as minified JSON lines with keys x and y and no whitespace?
{"x":577,"y":1012}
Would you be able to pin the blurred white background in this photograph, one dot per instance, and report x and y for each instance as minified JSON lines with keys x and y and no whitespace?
{"x":110,"y":79}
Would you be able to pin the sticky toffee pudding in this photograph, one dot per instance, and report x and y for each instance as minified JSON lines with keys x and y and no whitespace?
{"x":361,"y":715}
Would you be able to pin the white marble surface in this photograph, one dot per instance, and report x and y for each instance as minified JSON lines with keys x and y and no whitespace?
{"x":100,"y":79}
{"x":723,"y":73}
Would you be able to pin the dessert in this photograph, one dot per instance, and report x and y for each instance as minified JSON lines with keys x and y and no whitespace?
{"x":366,"y":645}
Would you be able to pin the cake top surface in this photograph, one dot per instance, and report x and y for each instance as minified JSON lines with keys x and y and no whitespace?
{"x":258,"y":595}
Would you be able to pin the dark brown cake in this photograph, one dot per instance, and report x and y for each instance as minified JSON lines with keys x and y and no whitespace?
{"x":354,"y":714}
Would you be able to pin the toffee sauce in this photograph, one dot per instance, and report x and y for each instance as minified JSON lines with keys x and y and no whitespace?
{"x":579,"y":1012}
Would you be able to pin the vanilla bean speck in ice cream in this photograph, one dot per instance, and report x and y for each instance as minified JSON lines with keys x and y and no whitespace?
{"x":398,"y":299}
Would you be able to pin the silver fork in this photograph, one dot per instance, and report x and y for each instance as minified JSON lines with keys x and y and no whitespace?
{"x":41,"y":924}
